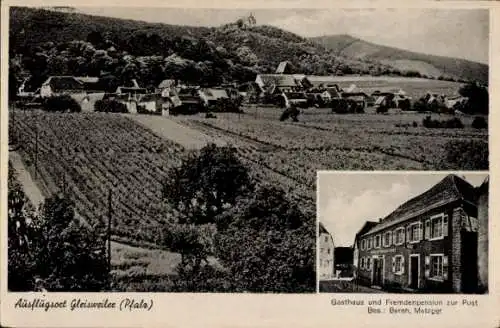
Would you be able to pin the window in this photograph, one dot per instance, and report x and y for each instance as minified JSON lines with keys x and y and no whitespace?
{"x":400,"y":236}
{"x":321,"y":250}
{"x":377,"y":241}
{"x":368,"y":263}
{"x":362,"y":263}
{"x":398,"y":264}
{"x":320,"y":263}
{"x":328,"y":250}
{"x":414,"y":232}
{"x":363,"y":244}
{"x":438,"y":227}
{"x":326,"y":239}
{"x":387,"y":239}
{"x":436,"y":267}
{"x":370,"y":242}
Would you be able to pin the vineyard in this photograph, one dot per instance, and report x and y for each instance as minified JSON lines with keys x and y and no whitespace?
{"x":89,"y":155}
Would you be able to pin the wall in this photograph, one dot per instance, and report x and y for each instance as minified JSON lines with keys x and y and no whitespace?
{"x":326,"y":259}
{"x":423,"y":248}
{"x":483,"y":240}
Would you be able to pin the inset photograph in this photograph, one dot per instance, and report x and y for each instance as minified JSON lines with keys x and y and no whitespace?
{"x":402,"y":232}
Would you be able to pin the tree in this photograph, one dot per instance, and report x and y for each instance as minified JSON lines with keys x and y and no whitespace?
{"x":72,"y":257}
{"x":52,"y":250}
{"x":22,"y":234}
{"x":206,"y":184}
{"x":478,"y":100}
{"x":268,"y":245}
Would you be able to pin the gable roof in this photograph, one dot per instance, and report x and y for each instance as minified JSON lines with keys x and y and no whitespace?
{"x":87,"y":79}
{"x":322,"y":229}
{"x":448,"y":190}
{"x":281,"y":80}
{"x":166,"y":83}
{"x":281,"y":67}
{"x":58,"y":83}
{"x":215,"y":93}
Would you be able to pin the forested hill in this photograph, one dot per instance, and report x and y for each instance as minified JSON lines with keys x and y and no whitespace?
{"x":46,"y":42}
{"x":350,"y":47}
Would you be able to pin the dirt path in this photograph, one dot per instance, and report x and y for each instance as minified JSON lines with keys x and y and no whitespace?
{"x":30,"y":187}
{"x":169,"y":129}
{"x":24,"y":177}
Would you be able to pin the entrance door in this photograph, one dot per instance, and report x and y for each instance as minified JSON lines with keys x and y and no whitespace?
{"x":414,"y":272}
{"x":377,"y":272}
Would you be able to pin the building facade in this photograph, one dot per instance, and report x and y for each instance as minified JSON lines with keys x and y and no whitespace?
{"x":428,"y":244}
{"x":326,"y":254}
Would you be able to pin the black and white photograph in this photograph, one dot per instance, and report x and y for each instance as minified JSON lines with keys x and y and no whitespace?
{"x":176,"y":149}
{"x":403,"y":232}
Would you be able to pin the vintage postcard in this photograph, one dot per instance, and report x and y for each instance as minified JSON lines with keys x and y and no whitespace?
{"x":259,"y":164}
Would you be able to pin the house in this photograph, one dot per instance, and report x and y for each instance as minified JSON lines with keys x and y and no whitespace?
{"x":482,"y":238}
{"x":277,"y":83}
{"x":326,"y":253}
{"x":428,"y":244}
{"x":391,"y":98}
{"x":133,"y":93}
{"x":58,"y":85}
{"x":365,"y":228}
{"x":167,"y":87}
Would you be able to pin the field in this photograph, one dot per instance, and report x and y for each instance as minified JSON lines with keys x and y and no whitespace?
{"x":414,"y":87}
{"x":135,"y":268}
{"x":322,"y":140}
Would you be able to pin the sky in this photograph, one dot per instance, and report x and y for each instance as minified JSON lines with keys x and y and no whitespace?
{"x":460,"y":33}
{"x":346,"y":201}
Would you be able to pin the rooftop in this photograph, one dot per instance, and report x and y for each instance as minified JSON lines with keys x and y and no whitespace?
{"x":448,"y":190}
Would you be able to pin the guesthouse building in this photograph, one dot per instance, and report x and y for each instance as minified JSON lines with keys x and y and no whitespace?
{"x":428,"y":244}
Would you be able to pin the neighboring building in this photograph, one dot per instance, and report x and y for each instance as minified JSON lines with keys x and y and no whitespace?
{"x":366,"y":227}
{"x":427,"y":244}
{"x":326,"y":253}
{"x":58,"y":85}
{"x":389,"y":98}
{"x":482,"y":238}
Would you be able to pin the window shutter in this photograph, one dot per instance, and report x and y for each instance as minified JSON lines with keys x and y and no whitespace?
{"x":420,"y":231}
{"x":445,"y":225}
{"x":408,"y":234}
{"x":427,"y":229}
{"x":394,"y":237}
{"x":391,"y":237}
{"x":402,"y":264}
{"x":445,"y":267}
{"x":393,"y":264}
{"x":427,"y":266}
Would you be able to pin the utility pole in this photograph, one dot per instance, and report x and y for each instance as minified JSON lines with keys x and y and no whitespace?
{"x":109,"y":231}
{"x":36,"y":145}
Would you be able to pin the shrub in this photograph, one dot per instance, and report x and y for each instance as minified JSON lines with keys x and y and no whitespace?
{"x":479,"y":122}
{"x":454,"y":123}
{"x":62,"y":103}
{"x":465,"y":155}
{"x":110,"y":106}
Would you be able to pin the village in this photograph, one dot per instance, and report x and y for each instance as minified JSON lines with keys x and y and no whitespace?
{"x":281,"y":89}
